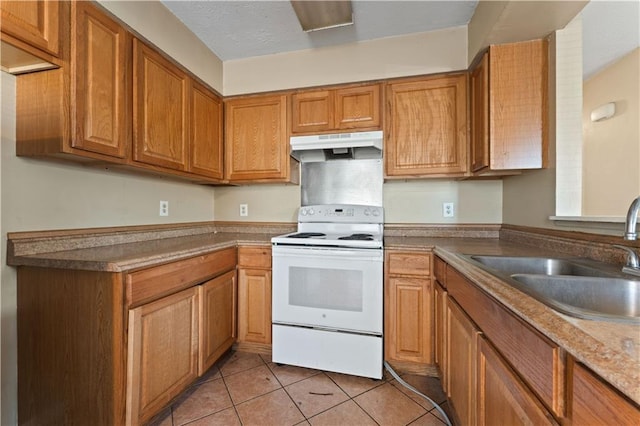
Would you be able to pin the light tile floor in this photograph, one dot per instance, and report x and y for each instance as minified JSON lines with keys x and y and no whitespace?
{"x":248,"y":389}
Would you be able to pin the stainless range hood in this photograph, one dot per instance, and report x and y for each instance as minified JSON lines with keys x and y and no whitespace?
{"x":316,"y":148}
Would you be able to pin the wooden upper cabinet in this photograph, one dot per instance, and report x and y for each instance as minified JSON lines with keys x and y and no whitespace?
{"x":257,"y":140}
{"x":509,"y":108}
{"x":353,"y":107}
{"x":36,"y":23}
{"x":160,"y":109}
{"x":100,"y":79}
{"x":479,"y":103}
{"x":206,"y":153}
{"x":427,"y":127}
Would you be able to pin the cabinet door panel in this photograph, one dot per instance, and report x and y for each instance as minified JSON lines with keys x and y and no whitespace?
{"x":100,"y":52}
{"x":462,"y":338}
{"x":254,"y":306}
{"x":163,"y":337}
{"x":502,"y":397}
{"x":312,"y":111}
{"x":357,"y":107}
{"x":440,"y":330}
{"x":217,"y":319}
{"x":518,"y":105}
{"x":161,"y":108}
{"x":206,"y":133}
{"x":256,"y":139}
{"x":34,"y":22}
{"x":408,"y":319}
{"x":427,"y":127}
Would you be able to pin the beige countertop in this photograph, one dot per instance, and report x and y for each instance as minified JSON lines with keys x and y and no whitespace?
{"x":612,"y":350}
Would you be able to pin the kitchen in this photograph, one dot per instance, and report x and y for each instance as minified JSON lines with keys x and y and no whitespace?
{"x":59,"y":196}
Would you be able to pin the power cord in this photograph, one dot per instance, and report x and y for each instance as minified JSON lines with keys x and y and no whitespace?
{"x":411,"y":388}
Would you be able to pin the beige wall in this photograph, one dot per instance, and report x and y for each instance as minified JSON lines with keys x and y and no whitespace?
{"x":423,"y":53}
{"x":611,"y":153}
{"x":151,"y":19}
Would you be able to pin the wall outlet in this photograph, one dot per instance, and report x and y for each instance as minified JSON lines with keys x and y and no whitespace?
{"x":244,"y":209}
{"x":164,"y":208}
{"x":447,"y":210}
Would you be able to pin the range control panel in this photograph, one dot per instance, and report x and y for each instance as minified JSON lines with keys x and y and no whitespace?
{"x":341,"y":213}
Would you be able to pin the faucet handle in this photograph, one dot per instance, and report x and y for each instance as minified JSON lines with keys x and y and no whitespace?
{"x":632,"y":256}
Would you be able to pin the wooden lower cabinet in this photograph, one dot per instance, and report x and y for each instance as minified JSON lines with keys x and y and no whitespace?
{"x":461,"y":349}
{"x":254,"y":295}
{"x":162,"y":353}
{"x":502,"y":397}
{"x":217,"y":319}
{"x":408,"y":307}
{"x":593,"y":402}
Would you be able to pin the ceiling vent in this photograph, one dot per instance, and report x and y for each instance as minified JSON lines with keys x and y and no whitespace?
{"x":321,"y":15}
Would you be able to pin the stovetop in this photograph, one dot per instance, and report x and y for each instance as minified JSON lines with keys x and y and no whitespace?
{"x":336,"y":225}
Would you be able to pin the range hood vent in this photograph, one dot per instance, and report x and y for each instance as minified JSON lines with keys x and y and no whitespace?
{"x":340,"y":146}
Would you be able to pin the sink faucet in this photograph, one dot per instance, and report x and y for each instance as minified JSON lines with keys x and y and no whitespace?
{"x":632,"y":219}
{"x":633,"y":262}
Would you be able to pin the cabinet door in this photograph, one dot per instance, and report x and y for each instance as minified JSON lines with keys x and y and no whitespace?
{"x":427,"y":124}
{"x":440,"y":330}
{"x":409,"y":320}
{"x":101,"y":67}
{"x":479,"y":82}
{"x":206,"y":133}
{"x":254,"y":305}
{"x":357,"y":107}
{"x":518,"y":102}
{"x":162,"y":354}
{"x":256,"y":139}
{"x":217,"y":319}
{"x":160,"y":112}
{"x":34,"y":22}
{"x":593,"y":402}
{"x":461,"y":350}
{"x":502,"y":397}
{"x":312,"y":111}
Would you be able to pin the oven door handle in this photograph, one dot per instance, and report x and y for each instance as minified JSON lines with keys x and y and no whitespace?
{"x":374,"y":255}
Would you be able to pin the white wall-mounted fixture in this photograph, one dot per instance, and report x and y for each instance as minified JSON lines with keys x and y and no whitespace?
{"x":320,"y":15}
{"x":603,"y":112}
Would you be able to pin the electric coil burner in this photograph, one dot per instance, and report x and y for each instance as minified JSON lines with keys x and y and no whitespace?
{"x":327,"y":292}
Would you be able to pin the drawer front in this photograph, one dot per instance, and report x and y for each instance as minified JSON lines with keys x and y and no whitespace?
{"x":537,"y":359}
{"x":409,"y":263}
{"x":255,"y":256}
{"x":152,"y":283}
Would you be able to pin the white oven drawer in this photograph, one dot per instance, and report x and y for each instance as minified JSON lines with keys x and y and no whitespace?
{"x":330,"y":288}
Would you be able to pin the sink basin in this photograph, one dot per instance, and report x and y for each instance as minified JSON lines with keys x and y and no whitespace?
{"x":613,"y":299}
{"x":581,"y":288}
{"x":542,"y":265}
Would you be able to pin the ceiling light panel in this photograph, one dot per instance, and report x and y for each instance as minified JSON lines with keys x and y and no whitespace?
{"x":320,"y":15}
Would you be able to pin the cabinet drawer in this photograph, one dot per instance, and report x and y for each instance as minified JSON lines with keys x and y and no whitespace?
{"x":537,"y":359}
{"x":152,"y":283}
{"x":409,"y":263}
{"x":255,"y":256}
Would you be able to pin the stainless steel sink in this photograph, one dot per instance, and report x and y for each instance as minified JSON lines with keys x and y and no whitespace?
{"x":543,"y":265}
{"x":581,"y":288}
{"x":611,"y":299}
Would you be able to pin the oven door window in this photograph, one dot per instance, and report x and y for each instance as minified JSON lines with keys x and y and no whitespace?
{"x":335,"y":289}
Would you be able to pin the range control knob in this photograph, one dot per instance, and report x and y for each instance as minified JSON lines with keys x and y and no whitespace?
{"x":367,"y":212}
{"x":375,"y":212}
{"x":311,"y":212}
{"x":303,"y":212}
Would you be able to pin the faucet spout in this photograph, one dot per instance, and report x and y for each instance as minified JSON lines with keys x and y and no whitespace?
{"x":632,"y":218}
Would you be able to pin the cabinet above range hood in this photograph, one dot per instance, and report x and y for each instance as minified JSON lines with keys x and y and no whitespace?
{"x":316,"y":148}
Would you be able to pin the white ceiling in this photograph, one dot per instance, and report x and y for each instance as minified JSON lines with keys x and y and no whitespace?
{"x":235,"y":29}
{"x":239,"y":29}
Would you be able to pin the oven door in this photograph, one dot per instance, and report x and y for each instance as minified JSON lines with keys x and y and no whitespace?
{"x":328,"y":288}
